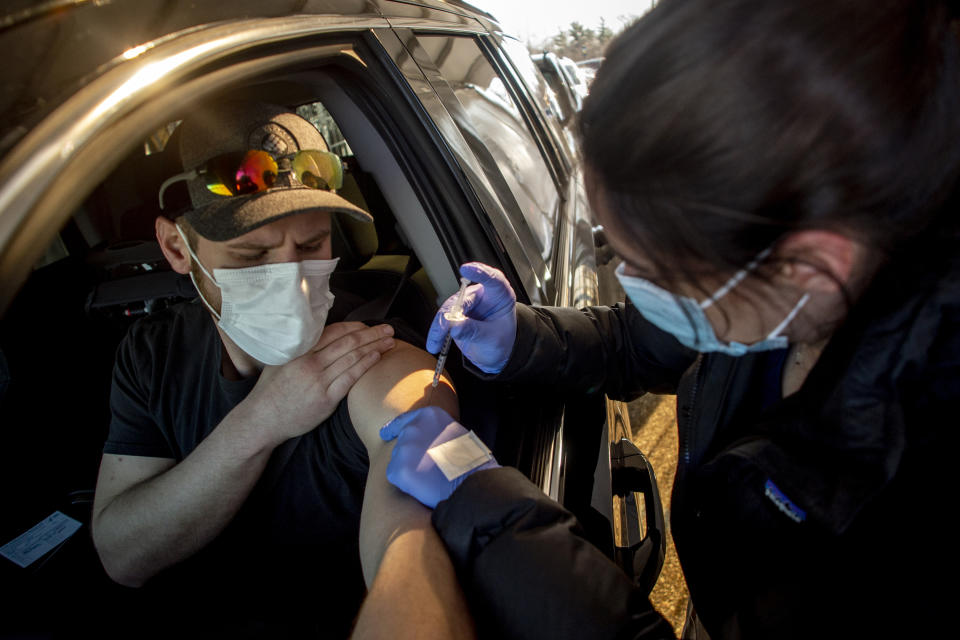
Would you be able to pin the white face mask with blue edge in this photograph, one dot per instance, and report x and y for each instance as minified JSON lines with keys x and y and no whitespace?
{"x":685,"y":319}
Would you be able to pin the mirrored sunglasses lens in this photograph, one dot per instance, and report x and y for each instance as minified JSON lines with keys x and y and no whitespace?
{"x":257,"y":172}
{"x":318,"y":169}
{"x":220,"y":173}
{"x":240,"y":173}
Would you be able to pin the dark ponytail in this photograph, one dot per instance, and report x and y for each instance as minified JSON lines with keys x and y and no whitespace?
{"x":716,"y":126}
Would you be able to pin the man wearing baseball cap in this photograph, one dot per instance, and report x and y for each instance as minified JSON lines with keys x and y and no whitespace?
{"x":243,"y":425}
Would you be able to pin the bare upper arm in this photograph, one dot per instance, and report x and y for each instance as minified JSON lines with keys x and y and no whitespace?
{"x":121,"y":472}
{"x":399,"y":382}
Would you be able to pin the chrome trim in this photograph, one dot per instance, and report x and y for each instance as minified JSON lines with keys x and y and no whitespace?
{"x":555,"y":467}
{"x":618,"y":420}
{"x":618,"y":427}
{"x":586,"y":286}
{"x":418,"y":25}
{"x":565,"y":254}
{"x":38,"y":193}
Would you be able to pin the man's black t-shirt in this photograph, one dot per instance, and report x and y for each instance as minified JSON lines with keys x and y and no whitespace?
{"x":291,"y":552}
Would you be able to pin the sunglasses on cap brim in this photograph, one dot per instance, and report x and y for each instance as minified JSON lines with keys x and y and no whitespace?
{"x":242,"y":173}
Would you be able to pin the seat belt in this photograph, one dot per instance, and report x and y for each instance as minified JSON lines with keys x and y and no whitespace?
{"x":376,"y":309}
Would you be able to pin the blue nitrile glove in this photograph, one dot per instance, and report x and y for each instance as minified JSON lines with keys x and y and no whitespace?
{"x":486,"y":336}
{"x":411,"y":468}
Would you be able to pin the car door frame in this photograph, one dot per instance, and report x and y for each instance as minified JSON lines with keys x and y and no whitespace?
{"x":41,"y":179}
{"x":574,"y":266}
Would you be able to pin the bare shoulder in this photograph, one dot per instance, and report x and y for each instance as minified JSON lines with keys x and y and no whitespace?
{"x":399,"y":362}
{"x":399,"y":382}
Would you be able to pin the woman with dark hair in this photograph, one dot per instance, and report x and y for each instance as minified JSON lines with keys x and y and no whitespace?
{"x":777,"y":177}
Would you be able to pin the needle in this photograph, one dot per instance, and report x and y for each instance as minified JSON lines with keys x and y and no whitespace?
{"x":455,"y":315}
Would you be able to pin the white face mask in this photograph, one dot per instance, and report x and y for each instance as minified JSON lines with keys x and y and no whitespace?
{"x":274,"y":312}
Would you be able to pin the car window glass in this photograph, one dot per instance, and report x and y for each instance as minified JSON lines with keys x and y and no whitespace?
{"x":157,"y":141}
{"x":496,"y":118}
{"x":538,"y":87}
{"x":319,"y":117}
{"x":565,"y":109}
{"x":57,"y":250}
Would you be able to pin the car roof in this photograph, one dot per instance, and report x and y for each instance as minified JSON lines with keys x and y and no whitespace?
{"x":15,"y":12}
{"x":60,"y":52}
{"x":55,"y":46}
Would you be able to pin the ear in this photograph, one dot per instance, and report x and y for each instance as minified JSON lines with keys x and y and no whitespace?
{"x":172,"y":245}
{"x":817,"y":260}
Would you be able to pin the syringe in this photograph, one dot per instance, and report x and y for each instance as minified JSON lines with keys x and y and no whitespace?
{"x":455,"y":314}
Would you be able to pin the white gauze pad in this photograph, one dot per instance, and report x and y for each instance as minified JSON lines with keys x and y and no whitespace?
{"x":460,"y":455}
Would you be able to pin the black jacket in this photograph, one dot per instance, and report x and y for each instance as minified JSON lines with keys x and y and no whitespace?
{"x":823,"y":515}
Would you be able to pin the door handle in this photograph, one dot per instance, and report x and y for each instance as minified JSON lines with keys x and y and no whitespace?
{"x":641,"y":557}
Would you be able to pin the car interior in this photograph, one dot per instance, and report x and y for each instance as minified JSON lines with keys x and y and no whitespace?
{"x":104,"y":270}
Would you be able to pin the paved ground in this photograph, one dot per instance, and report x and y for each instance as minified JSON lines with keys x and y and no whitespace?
{"x":653,"y":421}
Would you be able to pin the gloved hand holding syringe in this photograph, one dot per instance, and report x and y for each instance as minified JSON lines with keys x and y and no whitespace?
{"x":453,"y":316}
{"x":481,"y":318}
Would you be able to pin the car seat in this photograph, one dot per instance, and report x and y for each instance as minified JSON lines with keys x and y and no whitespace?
{"x":375,"y":263}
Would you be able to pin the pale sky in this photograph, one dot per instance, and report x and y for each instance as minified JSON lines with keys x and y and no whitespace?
{"x":537,"y":20}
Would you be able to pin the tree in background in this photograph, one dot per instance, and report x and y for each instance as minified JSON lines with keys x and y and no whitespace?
{"x":579,"y":42}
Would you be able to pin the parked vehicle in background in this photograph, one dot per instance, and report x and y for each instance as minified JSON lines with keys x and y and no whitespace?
{"x":589,"y":68}
{"x":451,"y":138}
{"x":575,"y":76}
{"x":569,"y":99}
